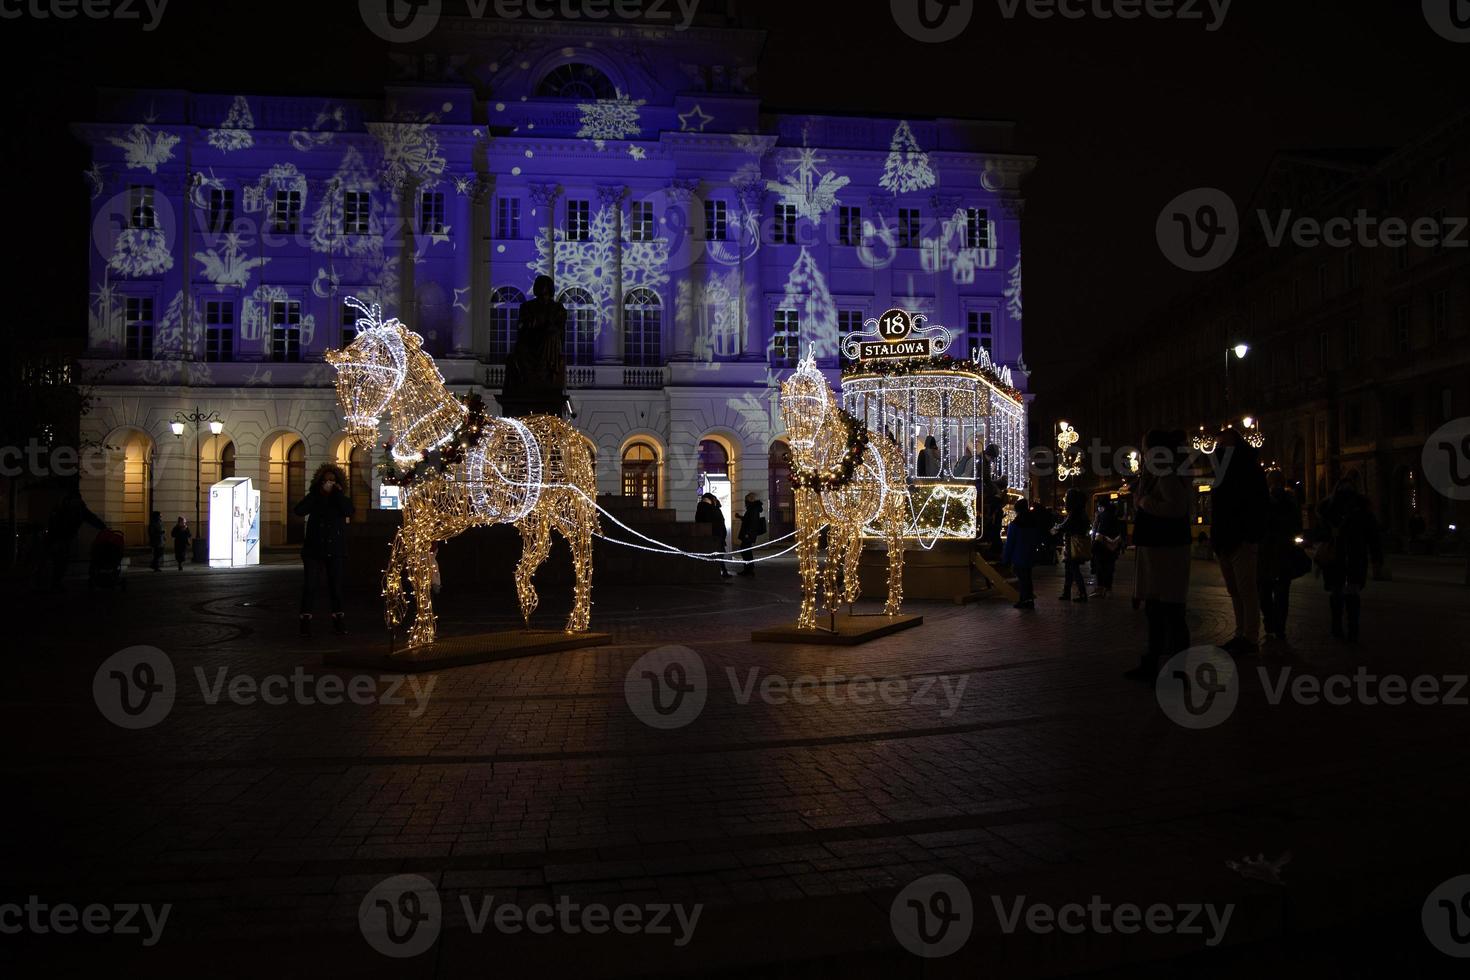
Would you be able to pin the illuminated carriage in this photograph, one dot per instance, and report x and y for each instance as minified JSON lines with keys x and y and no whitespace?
{"x":903,"y":381}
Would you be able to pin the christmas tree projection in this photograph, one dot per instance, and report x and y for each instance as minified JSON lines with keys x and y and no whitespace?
{"x":328,"y":234}
{"x":1013,"y":290}
{"x":234,"y":132}
{"x":807,"y":293}
{"x":907,"y":167}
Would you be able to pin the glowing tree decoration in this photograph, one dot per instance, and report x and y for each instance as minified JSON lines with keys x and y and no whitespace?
{"x":844,"y":478}
{"x":1069,"y":461}
{"x":907,"y":167}
{"x":467,"y":470}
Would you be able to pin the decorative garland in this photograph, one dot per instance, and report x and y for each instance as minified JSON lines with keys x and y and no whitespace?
{"x":841,"y":474}
{"x":899,"y":367}
{"x":466,"y":436}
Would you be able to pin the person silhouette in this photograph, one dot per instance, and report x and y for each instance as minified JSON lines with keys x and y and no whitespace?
{"x":536,"y":370}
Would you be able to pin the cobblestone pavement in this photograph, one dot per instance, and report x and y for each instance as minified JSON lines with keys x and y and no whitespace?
{"x":1000,"y":747}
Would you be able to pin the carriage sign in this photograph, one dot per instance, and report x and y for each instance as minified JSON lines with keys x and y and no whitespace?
{"x":897,"y":334}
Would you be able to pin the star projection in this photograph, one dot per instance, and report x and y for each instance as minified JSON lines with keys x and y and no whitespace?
{"x":907,"y":167}
{"x":592,"y":264}
{"x":609,"y":119}
{"x":812,"y":194}
{"x":234,"y":132}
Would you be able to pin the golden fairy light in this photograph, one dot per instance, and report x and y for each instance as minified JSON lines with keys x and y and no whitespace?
{"x":458,"y":468}
{"x":845,"y":478}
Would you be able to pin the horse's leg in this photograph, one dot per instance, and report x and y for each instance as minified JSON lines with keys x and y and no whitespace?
{"x":535,"y":546}
{"x":893,"y":526}
{"x":578,"y":532}
{"x":808,"y":527}
{"x":852,"y":558}
{"x":395,"y":603}
{"x":419,"y":560}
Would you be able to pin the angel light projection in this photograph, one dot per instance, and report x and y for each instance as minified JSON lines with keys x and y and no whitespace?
{"x":457,"y":468}
{"x":844,"y":478}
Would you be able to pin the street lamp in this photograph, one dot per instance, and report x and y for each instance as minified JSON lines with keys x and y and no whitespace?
{"x":1239,"y":350}
{"x":216,"y":426}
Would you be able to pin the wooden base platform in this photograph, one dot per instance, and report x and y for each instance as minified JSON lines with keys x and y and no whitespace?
{"x":851,"y":630}
{"x":461,"y":651}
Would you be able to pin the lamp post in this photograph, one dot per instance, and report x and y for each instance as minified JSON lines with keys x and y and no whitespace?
{"x":216,"y":426}
{"x":1239,"y":350}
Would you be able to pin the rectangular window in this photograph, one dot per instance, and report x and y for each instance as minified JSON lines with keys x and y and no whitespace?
{"x":1440,"y":305}
{"x":1439,"y":231}
{"x":138,"y":326}
{"x":219,"y":330}
{"x":579,"y":220}
{"x":977,"y":228}
{"x":285,"y":330}
{"x":783,"y":231}
{"x":716,"y":220}
{"x":640,"y":221}
{"x":356,"y":209}
{"x":221,"y":210}
{"x":1402,"y":329}
{"x":849,"y":225}
{"x":1354,"y":421}
{"x":1353,"y":341}
{"x":140,"y":207}
{"x":909,"y":224}
{"x":849,"y":322}
{"x":508,"y":218}
{"x":286,"y":214}
{"x":979,"y":331}
{"x":349,"y":324}
{"x":431,"y":213}
{"x":785,"y":336}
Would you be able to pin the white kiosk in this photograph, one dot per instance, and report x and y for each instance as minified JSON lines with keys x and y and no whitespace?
{"x":234,"y":523}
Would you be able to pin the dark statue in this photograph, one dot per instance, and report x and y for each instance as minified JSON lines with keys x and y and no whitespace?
{"x":536,"y":370}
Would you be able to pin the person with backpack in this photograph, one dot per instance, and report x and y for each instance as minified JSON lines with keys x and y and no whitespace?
{"x":1350,"y":541}
{"x":752,"y":526}
{"x":1022,"y":542}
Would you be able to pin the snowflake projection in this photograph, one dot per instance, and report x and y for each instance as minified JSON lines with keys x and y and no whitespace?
{"x":464,"y":185}
{"x":807,"y":293}
{"x":329,"y":122}
{"x":609,"y":119}
{"x":811,"y":194}
{"x":949,"y":252}
{"x":327,"y":234}
{"x":589,"y":264}
{"x":143,"y":149}
{"x":230,"y":268}
{"x":1013,"y":290}
{"x":94,"y":179}
{"x":234,"y":132}
{"x":637,"y":152}
{"x":262,"y":194}
{"x":411,"y":151}
{"x":713,"y":309}
{"x":140,"y":252}
{"x":907,"y":167}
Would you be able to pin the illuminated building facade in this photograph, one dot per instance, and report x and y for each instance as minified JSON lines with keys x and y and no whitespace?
{"x":701,"y":243}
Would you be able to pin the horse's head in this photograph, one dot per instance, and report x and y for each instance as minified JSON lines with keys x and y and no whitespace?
{"x":806,"y":402}
{"x":370,"y":371}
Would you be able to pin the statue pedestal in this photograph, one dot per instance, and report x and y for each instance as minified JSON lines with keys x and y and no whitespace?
{"x":533,"y":402}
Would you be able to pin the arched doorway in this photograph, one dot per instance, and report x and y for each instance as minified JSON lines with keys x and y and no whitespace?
{"x":285,"y":469}
{"x":128,"y":501}
{"x":357,"y":467}
{"x":216,"y":463}
{"x":717,"y":474}
{"x":641,"y":473}
{"x":782,"y":504}
{"x":295,"y":490}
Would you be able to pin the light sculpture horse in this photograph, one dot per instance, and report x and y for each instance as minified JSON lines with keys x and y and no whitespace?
{"x":847,"y":479}
{"x":463,"y":470}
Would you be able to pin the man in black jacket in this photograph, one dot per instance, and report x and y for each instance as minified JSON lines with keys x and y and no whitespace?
{"x":1239,"y":502}
{"x":326,"y":507}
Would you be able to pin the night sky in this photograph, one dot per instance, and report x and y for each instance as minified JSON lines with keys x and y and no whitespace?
{"x":1123,"y":115}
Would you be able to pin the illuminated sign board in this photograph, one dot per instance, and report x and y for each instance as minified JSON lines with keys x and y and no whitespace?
{"x":897,"y":334}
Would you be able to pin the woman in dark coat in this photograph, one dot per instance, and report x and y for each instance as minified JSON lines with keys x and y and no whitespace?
{"x":1022,"y":542}
{"x":181,"y":535}
{"x":1075,"y":533}
{"x":709,"y":512}
{"x":1350,"y":542}
{"x":1161,"y":541}
{"x":1283,"y":524}
{"x":326,"y":507}
{"x":752,"y":526}
{"x":1107,"y":545}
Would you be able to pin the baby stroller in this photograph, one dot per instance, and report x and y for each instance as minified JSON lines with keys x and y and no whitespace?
{"x":107,"y":561}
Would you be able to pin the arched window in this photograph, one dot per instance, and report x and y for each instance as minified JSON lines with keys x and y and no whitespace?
{"x":360,"y":479}
{"x":642,"y":328}
{"x":505,"y":304}
{"x":640,"y":473}
{"x":713,"y":458}
{"x":295,"y":490}
{"x":227,"y":462}
{"x":581,"y":323}
{"x":576,"y":80}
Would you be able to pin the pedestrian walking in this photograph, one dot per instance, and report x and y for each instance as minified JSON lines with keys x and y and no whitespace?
{"x":1350,"y":541}
{"x":1022,"y":542}
{"x":752,"y":526}
{"x":182,"y":536}
{"x":1161,"y":541}
{"x":1076,"y":537}
{"x":1238,"y":503}
{"x":326,"y":507}
{"x":155,"y":539}
{"x":709,"y":511}
{"x":1278,"y":553}
{"x":1107,"y":545}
